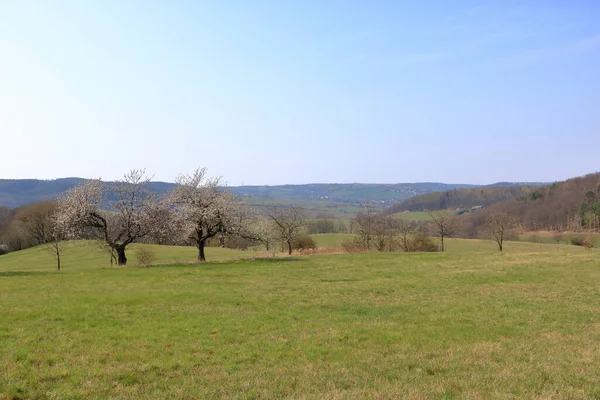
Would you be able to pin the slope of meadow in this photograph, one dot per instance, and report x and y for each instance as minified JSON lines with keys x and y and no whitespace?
{"x":469,"y":323}
{"x":82,"y":255}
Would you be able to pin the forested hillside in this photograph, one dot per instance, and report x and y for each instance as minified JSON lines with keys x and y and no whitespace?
{"x":463,"y":198}
{"x":573,"y":204}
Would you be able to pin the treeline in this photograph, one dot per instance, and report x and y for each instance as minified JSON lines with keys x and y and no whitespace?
{"x":26,"y":226}
{"x":462,"y":198}
{"x":325,"y":224}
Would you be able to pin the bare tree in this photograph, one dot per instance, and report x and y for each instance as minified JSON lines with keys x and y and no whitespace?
{"x":365,"y":226}
{"x":384,"y":232}
{"x":405,"y":230}
{"x":207,"y":210}
{"x":498,"y":225}
{"x":288,"y":222}
{"x":443,"y":224}
{"x":119,"y":217}
{"x":393,"y":228}
{"x":55,"y":238}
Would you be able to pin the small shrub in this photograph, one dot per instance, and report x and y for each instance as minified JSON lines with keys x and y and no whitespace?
{"x":145,"y":256}
{"x":588,"y":243}
{"x":304,"y":242}
{"x":420,"y":242}
{"x":352,"y":246}
{"x":3,"y":249}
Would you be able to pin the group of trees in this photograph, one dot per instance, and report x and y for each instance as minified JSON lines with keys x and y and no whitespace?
{"x":31,"y":225}
{"x":116,"y":215}
{"x":196,"y":211}
{"x":571,"y":205}
{"x":381,"y":232}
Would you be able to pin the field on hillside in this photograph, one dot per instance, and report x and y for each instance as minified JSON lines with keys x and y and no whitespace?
{"x":470,"y":323}
{"x":313,"y":207}
{"x":414,"y":215}
{"x":331,"y":240}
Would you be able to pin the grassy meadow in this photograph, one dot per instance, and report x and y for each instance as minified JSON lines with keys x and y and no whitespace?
{"x":469,"y":323}
{"x":80,"y":255}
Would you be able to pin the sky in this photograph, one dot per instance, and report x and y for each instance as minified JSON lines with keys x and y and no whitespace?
{"x":291,"y":92}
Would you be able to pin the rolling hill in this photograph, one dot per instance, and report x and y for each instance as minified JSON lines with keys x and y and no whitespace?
{"x":348,"y":197}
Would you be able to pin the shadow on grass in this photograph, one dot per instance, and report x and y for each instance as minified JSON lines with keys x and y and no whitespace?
{"x":273,"y":259}
{"x":218,"y":263}
{"x":23,"y":273}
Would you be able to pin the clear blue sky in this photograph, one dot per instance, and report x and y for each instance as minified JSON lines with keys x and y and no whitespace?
{"x":272,"y":92}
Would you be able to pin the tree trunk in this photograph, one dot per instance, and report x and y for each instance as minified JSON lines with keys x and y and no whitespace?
{"x":442,"y":240}
{"x":500,"y":244}
{"x":121,"y":258}
{"x":289,"y":247}
{"x":57,"y":259}
{"x":201,"y":256}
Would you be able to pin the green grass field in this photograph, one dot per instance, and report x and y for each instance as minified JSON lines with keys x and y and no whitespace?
{"x":414,"y":216}
{"x":331,"y":240}
{"x":469,"y":323}
{"x":78,"y":255}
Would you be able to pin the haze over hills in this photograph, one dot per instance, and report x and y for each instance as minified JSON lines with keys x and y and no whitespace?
{"x":17,"y":192}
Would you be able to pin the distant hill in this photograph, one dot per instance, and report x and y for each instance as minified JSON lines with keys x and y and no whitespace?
{"x":341,"y":198}
{"x":358,"y":193}
{"x":465,"y":198}
{"x":16,"y":192}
